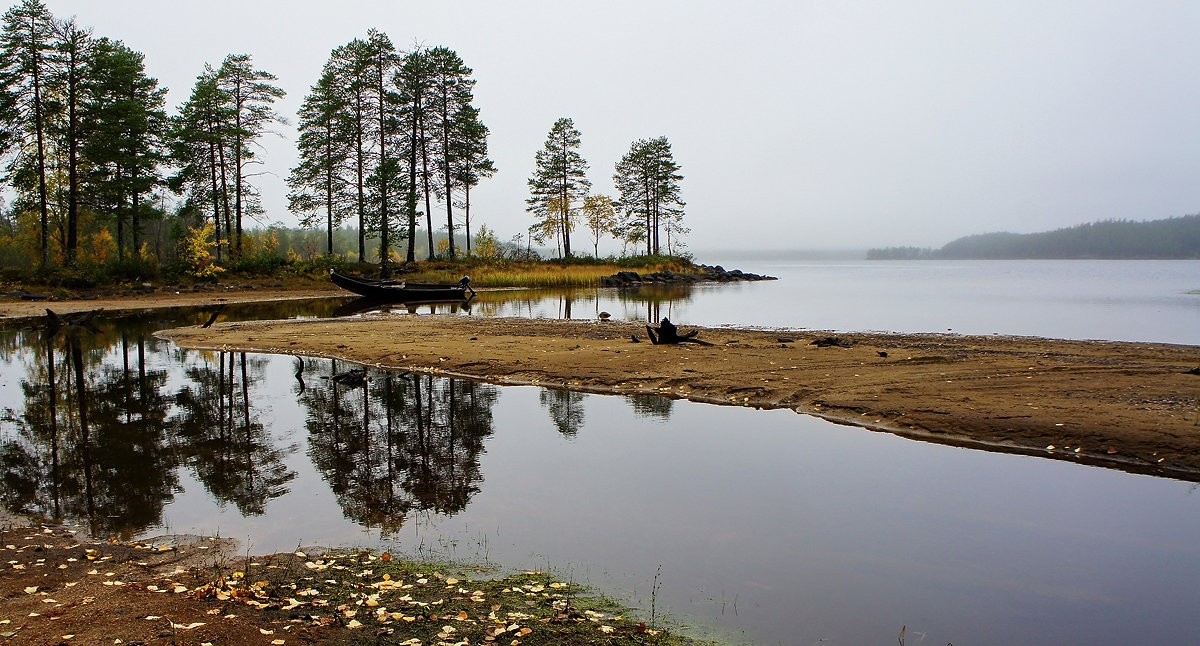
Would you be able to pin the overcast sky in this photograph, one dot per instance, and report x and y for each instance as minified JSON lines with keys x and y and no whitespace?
{"x":798,"y":125}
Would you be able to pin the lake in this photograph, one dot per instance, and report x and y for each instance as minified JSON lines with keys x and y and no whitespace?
{"x":764,"y":526}
{"x":1148,"y":300}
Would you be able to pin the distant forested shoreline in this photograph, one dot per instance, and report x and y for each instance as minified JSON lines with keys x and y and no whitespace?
{"x":1171,"y":238}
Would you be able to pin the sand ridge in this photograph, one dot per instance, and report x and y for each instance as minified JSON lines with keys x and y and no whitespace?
{"x":1127,"y":405}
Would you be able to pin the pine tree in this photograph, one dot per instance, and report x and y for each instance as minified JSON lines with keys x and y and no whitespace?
{"x":559,"y":178}
{"x":470,"y":162}
{"x":318,"y":182}
{"x":414,"y":80}
{"x":250,"y":95}
{"x":450,"y":100}
{"x":25,"y":64}
{"x":199,"y":145}
{"x":126,"y":127}
{"x":72,"y":49}
{"x":386,"y":179}
{"x":348,"y":63}
{"x":647,"y":179}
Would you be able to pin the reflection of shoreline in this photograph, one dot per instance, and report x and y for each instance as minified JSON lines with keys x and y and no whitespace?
{"x":1020,"y":392}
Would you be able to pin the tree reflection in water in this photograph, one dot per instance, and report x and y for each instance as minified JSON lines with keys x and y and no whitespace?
{"x":222,"y":438}
{"x":565,"y":408}
{"x":651,"y":406}
{"x":104,"y":422}
{"x":399,"y":443}
{"x":91,"y":441}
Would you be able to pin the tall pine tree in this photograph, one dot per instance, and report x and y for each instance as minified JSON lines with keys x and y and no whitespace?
{"x":126,"y":126}
{"x":199,"y":146}
{"x":450,"y":99}
{"x":470,"y":160}
{"x":26,"y":60}
{"x":382,"y":104}
{"x":647,"y":179}
{"x":250,"y":95}
{"x":559,"y":179}
{"x":72,"y":52}
{"x":318,"y":184}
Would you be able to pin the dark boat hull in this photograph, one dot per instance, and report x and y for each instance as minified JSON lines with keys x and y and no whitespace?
{"x":398,"y":292}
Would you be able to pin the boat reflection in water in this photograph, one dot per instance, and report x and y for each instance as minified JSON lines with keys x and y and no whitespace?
{"x":364,"y":305}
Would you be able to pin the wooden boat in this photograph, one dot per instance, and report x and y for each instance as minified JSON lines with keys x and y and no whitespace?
{"x":398,"y":291}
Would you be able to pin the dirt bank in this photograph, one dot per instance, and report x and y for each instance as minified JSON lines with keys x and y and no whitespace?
{"x":1128,"y":405}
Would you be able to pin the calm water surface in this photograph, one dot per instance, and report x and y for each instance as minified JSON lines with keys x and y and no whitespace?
{"x":1113,"y":300}
{"x":764,"y":525}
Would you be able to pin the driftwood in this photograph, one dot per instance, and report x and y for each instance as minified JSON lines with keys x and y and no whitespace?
{"x":56,"y":321}
{"x":300,"y":374}
{"x":355,"y":378}
{"x":212,"y":319}
{"x":668,"y":333}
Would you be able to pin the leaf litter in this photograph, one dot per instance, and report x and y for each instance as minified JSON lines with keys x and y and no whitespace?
{"x":163,"y":593}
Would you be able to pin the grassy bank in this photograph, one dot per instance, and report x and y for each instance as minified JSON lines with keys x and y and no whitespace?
{"x":569,"y":272}
{"x":573,"y":272}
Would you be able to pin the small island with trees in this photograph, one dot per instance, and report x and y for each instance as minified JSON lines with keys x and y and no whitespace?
{"x":1170,"y":238}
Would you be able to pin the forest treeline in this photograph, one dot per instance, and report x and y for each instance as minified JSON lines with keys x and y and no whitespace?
{"x":1171,"y":238}
{"x":99,"y":177}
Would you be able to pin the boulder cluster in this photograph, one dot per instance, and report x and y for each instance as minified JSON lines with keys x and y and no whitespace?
{"x":715,"y":273}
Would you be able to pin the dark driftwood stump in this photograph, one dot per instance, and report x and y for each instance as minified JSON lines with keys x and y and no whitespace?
{"x":668,"y":333}
{"x":831,"y":341}
{"x":56,"y":321}
{"x":212,"y":319}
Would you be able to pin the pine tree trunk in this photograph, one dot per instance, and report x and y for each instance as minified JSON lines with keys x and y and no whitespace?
{"x":428,"y":190}
{"x":446,"y":172}
{"x":117,"y":207}
{"x":328,"y":189}
{"x":135,"y":219}
{"x":212,"y":171}
{"x":237,"y":170}
{"x":412,"y":187}
{"x":384,"y":243}
{"x":467,"y":214}
{"x":72,"y":249}
{"x":39,"y":126}
{"x":224,"y":175}
{"x":360,"y":163}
